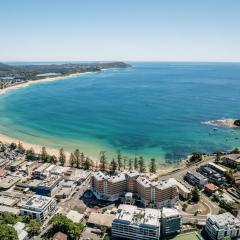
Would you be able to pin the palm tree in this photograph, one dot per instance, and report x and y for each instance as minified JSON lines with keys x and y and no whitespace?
{"x":77,"y":157}
{"x":103,"y":161}
{"x":62,"y":157}
{"x":30,"y":154}
{"x":136,"y":162}
{"x":72,"y":160}
{"x":152,"y":166}
{"x":53,"y":159}
{"x":130,"y":164}
{"x":113,"y":165}
{"x":141,"y":165}
{"x":119,"y":160}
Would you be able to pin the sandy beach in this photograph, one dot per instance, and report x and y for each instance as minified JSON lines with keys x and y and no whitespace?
{"x":47,"y":79}
{"x":26,"y":145}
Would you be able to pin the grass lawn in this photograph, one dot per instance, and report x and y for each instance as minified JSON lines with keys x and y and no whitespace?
{"x":188,"y":236}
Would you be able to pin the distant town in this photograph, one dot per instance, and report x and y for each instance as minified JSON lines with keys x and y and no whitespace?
{"x":51,"y":197}
{"x":12,"y":75}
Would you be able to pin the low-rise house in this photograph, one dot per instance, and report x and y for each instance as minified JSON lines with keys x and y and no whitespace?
{"x":222,"y":225}
{"x":237,"y":179}
{"x":60,"y":236}
{"x":210,"y":188}
{"x":8,"y":181}
{"x":75,"y":216}
{"x":217,"y":168}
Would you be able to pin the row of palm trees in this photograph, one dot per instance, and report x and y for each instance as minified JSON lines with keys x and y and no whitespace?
{"x":77,"y":159}
{"x":122,"y":162}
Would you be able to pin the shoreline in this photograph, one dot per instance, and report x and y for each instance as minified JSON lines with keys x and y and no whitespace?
{"x":41,"y":80}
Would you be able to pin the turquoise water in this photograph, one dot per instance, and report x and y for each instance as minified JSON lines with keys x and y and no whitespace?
{"x":151,"y":109}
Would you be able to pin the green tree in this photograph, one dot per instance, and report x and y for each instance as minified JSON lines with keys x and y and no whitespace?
{"x":119,"y":160}
{"x":61,"y":223}
{"x":87,"y":163}
{"x":195,"y":195}
{"x":141,"y":165}
{"x":136,"y":161}
{"x":196,"y":157}
{"x":77,"y":158}
{"x":113,"y":165}
{"x":72,"y":160}
{"x":152,"y":166}
{"x":30,"y":154}
{"x":130,"y":164}
{"x":235,"y":151}
{"x":34,"y":228}
{"x":44,"y":155}
{"x":218,"y":157}
{"x":8,"y":232}
{"x":8,"y":218}
{"x":82,"y":157}
{"x":103,"y":161}
{"x":20,"y":148}
{"x":229,"y":176}
{"x":62,"y":157}
{"x":124,"y":162}
{"x":53,"y":159}
{"x":13,"y":146}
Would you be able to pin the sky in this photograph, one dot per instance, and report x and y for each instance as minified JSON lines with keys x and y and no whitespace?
{"x":126,"y":30}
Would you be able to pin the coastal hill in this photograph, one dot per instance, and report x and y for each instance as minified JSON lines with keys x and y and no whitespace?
{"x":16,"y":74}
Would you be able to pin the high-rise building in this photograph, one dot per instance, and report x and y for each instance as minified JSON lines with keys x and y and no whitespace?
{"x":152,"y":192}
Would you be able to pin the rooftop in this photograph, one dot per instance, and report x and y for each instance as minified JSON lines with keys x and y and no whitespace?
{"x":139,"y":216}
{"x":8,"y":181}
{"x":37,"y":201}
{"x":224,"y":220}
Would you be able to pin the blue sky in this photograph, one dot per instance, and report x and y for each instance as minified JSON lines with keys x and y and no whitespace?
{"x":148,"y":30}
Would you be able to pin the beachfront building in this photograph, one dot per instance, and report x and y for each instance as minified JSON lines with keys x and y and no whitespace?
{"x":196,"y":178}
{"x":150,"y":191}
{"x":232,"y":160}
{"x":222,"y":225}
{"x":171,"y":221}
{"x":136,"y":223}
{"x":39,"y":207}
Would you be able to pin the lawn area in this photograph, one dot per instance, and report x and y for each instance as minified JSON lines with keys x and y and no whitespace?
{"x":188,"y":236}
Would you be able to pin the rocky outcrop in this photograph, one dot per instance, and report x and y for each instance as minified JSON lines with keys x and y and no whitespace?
{"x":237,"y":123}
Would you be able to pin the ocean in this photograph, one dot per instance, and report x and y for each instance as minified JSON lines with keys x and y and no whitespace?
{"x":150,"y":110}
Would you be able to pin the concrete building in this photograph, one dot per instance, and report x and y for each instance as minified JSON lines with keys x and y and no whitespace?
{"x":222,"y":225}
{"x":216,"y":167}
{"x":39,"y":172}
{"x":8,"y":181}
{"x":232,"y":160}
{"x":196,"y":178}
{"x":50,"y":186}
{"x":39,"y":207}
{"x":154,"y":193}
{"x":171,"y":222}
{"x":136,"y":223}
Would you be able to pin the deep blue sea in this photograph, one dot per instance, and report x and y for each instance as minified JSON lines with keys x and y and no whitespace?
{"x":150,"y":109}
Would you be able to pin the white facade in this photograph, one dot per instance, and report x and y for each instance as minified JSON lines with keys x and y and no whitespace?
{"x":222,"y":225}
{"x":39,"y":207}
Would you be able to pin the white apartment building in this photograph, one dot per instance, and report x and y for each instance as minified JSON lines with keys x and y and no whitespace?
{"x":39,"y":207}
{"x":222,"y":225}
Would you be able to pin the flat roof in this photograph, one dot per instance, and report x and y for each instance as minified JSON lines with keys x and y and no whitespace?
{"x":75,"y":216}
{"x":139,"y":216}
{"x":101,"y":219}
{"x":37,"y":201}
{"x":8,"y":201}
{"x":15,"y":211}
{"x":8,"y":181}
